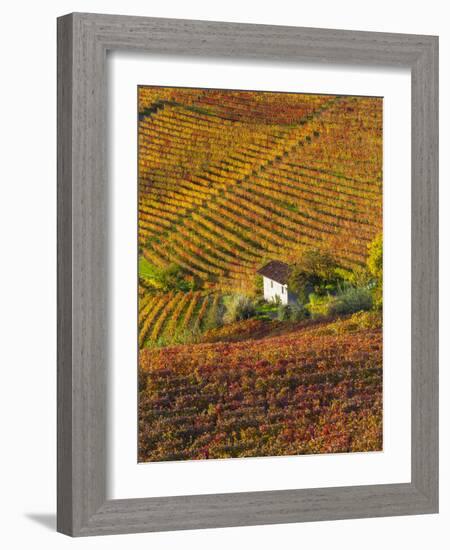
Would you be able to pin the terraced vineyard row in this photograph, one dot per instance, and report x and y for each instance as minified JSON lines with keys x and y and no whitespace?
{"x":174,"y":315}
{"x":162,"y":169}
{"x":234,"y":105}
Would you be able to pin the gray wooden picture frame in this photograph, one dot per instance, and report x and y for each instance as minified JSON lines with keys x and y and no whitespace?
{"x":83,"y":41}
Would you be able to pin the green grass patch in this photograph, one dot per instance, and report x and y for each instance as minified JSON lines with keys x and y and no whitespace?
{"x":147,"y":270}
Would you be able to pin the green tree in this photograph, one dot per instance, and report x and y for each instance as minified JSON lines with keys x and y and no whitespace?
{"x":173,"y":277}
{"x":375,"y":266}
{"x":314,"y":272}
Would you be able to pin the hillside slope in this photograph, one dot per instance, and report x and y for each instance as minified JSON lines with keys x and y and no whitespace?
{"x":229,"y":180}
{"x":314,"y":390}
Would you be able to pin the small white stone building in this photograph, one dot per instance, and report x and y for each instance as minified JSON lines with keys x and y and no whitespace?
{"x":275,"y":276}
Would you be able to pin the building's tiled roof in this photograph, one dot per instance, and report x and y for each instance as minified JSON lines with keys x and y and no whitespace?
{"x":277,"y":271}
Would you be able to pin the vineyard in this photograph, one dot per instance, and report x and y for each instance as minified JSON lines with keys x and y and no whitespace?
{"x":163,"y":316}
{"x":228,"y":181}
{"x":218,"y":195}
{"x":310,"y":391}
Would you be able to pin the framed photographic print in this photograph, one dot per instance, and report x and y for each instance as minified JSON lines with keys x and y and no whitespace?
{"x":247,"y":274}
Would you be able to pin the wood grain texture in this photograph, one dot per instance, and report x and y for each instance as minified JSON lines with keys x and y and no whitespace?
{"x":425,"y":273}
{"x":64,"y":276}
{"x":83,"y":199}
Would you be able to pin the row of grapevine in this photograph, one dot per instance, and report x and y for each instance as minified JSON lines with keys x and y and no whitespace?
{"x":234,"y":105}
{"x":168,"y":316}
{"x":178,"y":192}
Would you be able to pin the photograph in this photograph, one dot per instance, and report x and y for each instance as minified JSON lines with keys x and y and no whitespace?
{"x":260,"y":262}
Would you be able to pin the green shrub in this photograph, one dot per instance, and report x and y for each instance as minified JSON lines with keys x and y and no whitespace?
{"x":239,"y":308}
{"x":172,"y":277}
{"x":298,"y":312}
{"x":357,"y":277}
{"x":291,"y":312}
{"x":351,"y":301}
{"x":348,"y":301}
{"x":284,"y":312}
{"x":318,"y":305}
{"x":375,"y":265}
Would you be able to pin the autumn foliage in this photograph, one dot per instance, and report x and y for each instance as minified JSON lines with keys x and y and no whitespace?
{"x":310,"y":391}
{"x":227,"y":179}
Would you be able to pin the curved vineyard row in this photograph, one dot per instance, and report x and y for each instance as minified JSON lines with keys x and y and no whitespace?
{"x":174,"y":315}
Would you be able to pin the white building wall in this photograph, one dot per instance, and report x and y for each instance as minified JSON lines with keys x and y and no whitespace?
{"x":272,"y":289}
